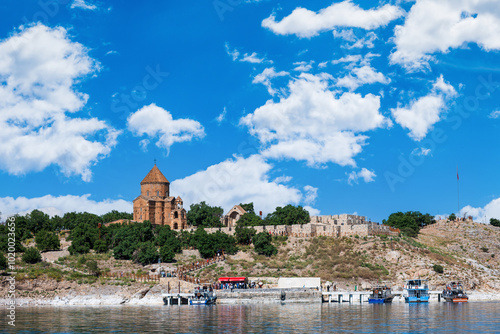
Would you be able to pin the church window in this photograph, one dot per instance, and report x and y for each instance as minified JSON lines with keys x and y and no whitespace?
{"x":158,"y":193}
{"x":176,"y":215}
{"x":147,"y":193}
{"x":176,"y":226}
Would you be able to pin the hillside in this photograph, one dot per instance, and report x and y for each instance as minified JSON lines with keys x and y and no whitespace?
{"x":468,"y":252}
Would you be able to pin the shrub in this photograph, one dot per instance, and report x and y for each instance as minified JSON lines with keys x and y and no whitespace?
{"x":438,"y":268}
{"x":93,"y":268}
{"x":3,"y":262}
{"x":244,"y":235}
{"x":484,"y":249}
{"x":100,"y":246}
{"x":167,"y":253}
{"x":146,"y":254}
{"x":31,"y":255}
{"x":262,"y":244}
{"x":46,"y":241}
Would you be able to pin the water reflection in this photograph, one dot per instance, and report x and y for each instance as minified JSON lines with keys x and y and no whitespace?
{"x":316,"y":318}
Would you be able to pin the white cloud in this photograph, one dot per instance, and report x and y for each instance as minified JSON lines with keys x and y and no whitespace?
{"x":222,"y":116}
{"x":355,"y":42}
{"x":36,"y":95}
{"x":154,"y":121}
{"x":83,"y":5}
{"x":252,"y":58}
{"x":426,"y":111}
{"x":314,"y":123}
{"x":439,"y":26}
{"x":311,"y":193}
{"x":364,"y":174}
{"x":303,"y":66}
{"x":266,"y":76}
{"x":494,"y":114}
{"x":312,"y":211}
{"x":361,"y":76}
{"x":237,"y":180}
{"x":490,"y":210}
{"x":421,"y":151}
{"x":305,"y":23}
{"x":59,"y":205}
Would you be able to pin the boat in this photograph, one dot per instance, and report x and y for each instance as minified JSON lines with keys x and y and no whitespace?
{"x":203,"y":296}
{"x":417,"y":291}
{"x":380,"y":295}
{"x":454,"y":292}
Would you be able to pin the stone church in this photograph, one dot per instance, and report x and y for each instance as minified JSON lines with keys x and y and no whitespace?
{"x":155,"y":203}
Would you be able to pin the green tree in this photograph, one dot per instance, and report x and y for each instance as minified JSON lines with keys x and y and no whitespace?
{"x":409,"y":222}
{"x":100,"y":246}
{"x":262,"y":243}
{"x":146,"y":253}
{"x":288,"y":215}
{"x":3,"y":262}
{"x":167,"y":254}
{"x":248,"y":207}
{"x":204,"y":215}
{"x":209,"y":244}
{"x":452,"y":217}
{"x":244,"y":235}
{"x":4,"y":239}
{"x":115,"y":215}
{"x":92,"y":267}
{"x":46,"y":241}
{"x":250,"y":219}
{"x":495,"y":222}
{"x":31,"y":255}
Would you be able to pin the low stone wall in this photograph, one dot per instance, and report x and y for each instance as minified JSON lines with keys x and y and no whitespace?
{"x":268,"y":296}
{"x":315,"y":230}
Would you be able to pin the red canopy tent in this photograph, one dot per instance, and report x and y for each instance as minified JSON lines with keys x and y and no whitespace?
{"x":233,"y":280}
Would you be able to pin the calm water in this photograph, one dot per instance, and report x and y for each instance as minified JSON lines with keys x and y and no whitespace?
{"x":474,"y":317}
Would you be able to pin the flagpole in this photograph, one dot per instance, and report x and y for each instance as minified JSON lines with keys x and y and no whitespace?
{"x":458,"y":194}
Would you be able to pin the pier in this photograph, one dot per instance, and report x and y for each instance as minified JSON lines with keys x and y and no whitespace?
{"x":176,"y":298}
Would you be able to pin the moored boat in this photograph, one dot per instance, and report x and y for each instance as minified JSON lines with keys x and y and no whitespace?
{"x":417,"y":291}
{"x":381,"y":295}
{"x":454,"y":292}
{"x":203,"y":296}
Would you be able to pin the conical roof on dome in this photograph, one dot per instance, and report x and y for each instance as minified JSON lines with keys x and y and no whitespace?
{"x":154,"y":176}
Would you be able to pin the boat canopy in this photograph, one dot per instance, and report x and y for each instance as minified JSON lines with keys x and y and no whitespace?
{"x":233,"y":280}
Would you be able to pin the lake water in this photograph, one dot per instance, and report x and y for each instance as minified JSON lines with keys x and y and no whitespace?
{"x":473,"y":317}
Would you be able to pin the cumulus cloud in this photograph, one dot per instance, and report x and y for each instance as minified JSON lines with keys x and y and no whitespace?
{"x":426,"y":111}
{"x":155,"y":121}
{"x":364,"y":174}
{"x":39,"y":67}
{"x":315,"y":124}
{"x":303,"y":66}
{"x":484,"y":214}
{"x":237,"y":180}
{"x":59,"y":205}
{"x":305,"y":23}
{"x":311,"y":193}
{"x":266,"y":76}
{"x":81,"y":4}
{"x":361,"y":76}
{"x":439,"y":26}
{"x":253,"y":57}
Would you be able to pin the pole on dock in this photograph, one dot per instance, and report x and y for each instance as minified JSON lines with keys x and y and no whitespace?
{"x":340,"y":298}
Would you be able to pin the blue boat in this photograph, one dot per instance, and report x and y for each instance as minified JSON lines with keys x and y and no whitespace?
{"x":381,"y":295}
{"x":417,"y":291}
{"x":203,"y":296}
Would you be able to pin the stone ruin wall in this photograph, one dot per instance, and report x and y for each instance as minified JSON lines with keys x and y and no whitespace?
{"x":318,"y":227}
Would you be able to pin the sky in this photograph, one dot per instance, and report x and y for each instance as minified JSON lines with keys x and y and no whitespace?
{"x":359,"y":107}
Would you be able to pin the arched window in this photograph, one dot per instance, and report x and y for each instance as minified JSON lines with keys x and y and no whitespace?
{"x":176,"y":215}
{"x":147,"y":193}
{"x":176,"y":226}
{"x":158,"y":193}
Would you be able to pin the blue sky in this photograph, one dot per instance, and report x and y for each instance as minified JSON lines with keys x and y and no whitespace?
{"x":340,"y":106}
